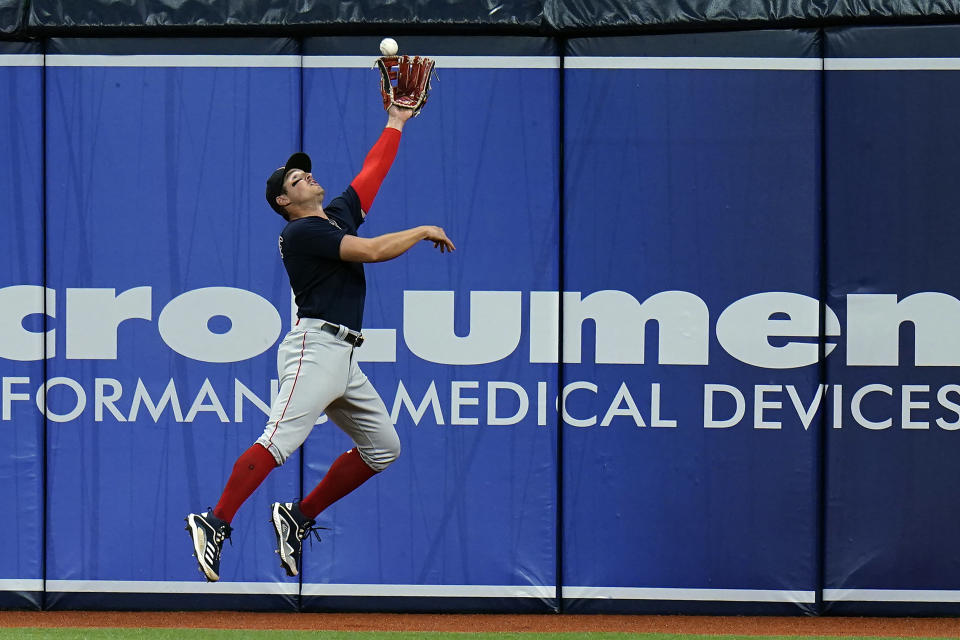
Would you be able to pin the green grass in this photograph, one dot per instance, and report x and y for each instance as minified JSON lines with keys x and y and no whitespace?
{"x":225,"y":634}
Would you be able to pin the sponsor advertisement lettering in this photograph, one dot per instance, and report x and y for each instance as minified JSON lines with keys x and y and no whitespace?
{"x":767,"y":330}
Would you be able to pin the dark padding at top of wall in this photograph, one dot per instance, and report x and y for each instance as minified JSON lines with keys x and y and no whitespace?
{"x":45,"y":18}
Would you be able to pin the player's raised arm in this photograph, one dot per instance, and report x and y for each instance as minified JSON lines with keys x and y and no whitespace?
{"x":404,"y":87}
{"x":391,"y":245}
{"x":380,"y":158}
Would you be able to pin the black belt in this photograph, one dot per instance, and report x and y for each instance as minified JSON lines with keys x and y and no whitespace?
{"x":354,"y":338}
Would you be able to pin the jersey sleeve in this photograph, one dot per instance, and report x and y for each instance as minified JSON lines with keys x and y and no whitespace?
{"x":346,"y":206}
{"x":314,"y":238}
{"x":353,"y":203}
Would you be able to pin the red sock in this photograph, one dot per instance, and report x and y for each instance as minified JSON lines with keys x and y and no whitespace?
{"x":249,"y":471}
{"x":347,"y":472}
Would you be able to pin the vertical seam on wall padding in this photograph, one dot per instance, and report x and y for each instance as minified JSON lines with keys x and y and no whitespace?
{"x":561,"y":126}
{"x":46,"y":319}
{"x":300,"y":42}
{"x":822,"y":368}
{"x":300,"y":82}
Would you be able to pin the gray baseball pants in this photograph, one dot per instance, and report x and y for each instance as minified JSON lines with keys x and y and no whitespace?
{"x":319,"y":373}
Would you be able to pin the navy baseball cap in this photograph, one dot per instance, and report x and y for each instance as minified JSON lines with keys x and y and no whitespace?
{"x":299,"y":160}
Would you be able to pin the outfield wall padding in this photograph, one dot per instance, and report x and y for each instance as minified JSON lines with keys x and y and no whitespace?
{"x":891,"y":200}
{"x":22,"y":310}
{"x":468,"y":510}
{"x":689,"y":193}
{"x":621,"y":394}
{"x":173,"y":299}
{"x":567,"y":18}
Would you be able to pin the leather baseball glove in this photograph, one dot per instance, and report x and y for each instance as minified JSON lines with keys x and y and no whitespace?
{"x":405,"y":81}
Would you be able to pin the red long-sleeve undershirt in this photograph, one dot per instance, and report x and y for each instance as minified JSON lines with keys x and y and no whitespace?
{"x":375,"y":167}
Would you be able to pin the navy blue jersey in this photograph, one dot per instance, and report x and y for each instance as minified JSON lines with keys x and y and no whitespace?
{"x":325,"y":286}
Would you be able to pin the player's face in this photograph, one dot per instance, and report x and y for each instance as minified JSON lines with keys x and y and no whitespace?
{"x":300,"y":186}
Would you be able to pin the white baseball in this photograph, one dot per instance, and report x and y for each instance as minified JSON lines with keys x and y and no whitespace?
{"x":389,"y":47}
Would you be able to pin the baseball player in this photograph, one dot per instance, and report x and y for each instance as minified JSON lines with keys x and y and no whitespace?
{"x":316,"y":362}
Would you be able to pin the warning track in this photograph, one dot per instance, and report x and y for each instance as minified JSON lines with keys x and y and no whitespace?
{"x":545,"y":623}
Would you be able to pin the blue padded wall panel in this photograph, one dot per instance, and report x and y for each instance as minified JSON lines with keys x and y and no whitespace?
{"x":170,"y":301}
{"x":893,"y":146}
{"x":691,"y":266}
{"x":466,"y":518}
{"x":21,"y":308}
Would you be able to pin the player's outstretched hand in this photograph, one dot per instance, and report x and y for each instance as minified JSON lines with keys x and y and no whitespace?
{"x":399,"y":113}
{"x":439,"y":238}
